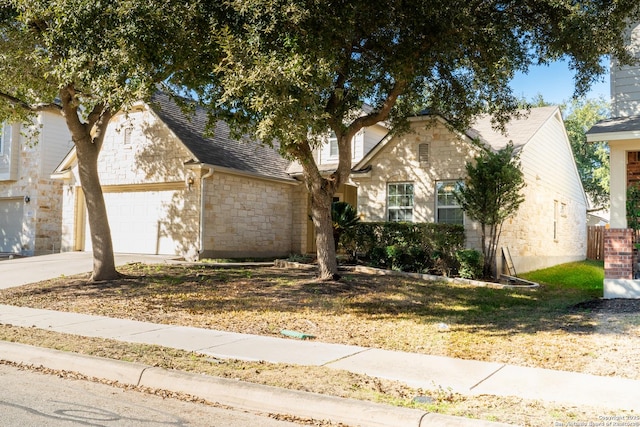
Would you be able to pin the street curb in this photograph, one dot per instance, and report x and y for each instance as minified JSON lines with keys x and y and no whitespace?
{"x":235,"y":393}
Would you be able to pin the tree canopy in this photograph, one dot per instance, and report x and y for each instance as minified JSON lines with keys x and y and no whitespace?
{"x":592,"y":159}
{"x":87,"y":60}
{"x":290,"y":71}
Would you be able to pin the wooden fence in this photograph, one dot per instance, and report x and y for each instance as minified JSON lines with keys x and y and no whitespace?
{"x":595,"y":242}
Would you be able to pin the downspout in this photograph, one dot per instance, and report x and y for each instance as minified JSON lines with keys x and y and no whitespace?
{"x":203,"y":179}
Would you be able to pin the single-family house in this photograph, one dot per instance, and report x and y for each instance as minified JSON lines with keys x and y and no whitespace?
{"x":622,"y":132}
{"x":30,"y":212}
{"x":171,"y":189}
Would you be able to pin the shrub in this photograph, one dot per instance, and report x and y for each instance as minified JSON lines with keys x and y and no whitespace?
{"x":417,"y":247}
{"x":470,"y":261}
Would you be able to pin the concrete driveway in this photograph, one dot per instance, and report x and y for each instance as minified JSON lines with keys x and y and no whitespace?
{"x":20,"y":271}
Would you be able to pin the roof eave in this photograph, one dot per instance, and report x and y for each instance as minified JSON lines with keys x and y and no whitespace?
{"x":231,"y":171}
{"x":613,"y":136}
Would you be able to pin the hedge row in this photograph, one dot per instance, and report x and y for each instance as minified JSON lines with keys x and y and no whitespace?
{"x":415,"y":247}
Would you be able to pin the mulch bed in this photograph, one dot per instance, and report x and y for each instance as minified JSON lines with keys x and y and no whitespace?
{"x":601,"y":305}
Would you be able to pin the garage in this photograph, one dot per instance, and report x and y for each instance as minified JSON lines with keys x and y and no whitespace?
{"x":145,"y":222}
{"x":11,"y":211}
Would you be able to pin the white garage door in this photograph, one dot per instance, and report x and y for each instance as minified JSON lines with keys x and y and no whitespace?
{"x":141,"y":222}
{"x":10,"y":225}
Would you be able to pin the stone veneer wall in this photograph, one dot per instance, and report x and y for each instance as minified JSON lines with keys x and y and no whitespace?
{"x":529,"y":234}
{"x":41,"y":233}
{"x":138,"y":153}
{"x":618,"y":253}
{"x":399,"y":162}
{"x":248,"y":217}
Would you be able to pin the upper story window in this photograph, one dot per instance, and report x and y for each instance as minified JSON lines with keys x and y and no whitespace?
{"x":448,"y":210}
{"x":400,"y":202}
{"x":333,"y":146}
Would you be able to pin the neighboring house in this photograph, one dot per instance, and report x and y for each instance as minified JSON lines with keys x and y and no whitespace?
{"x":171,"y":190}
{"x":412,"y":177}
{"x":30,"y":213}
{"x":622,"y":132}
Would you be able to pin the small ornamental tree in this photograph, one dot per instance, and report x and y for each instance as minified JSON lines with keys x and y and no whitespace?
{"x":490,"y":195}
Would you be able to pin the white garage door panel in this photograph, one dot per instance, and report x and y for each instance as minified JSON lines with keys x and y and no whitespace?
{"x":10,"y":225}
{"x":139,"y":222}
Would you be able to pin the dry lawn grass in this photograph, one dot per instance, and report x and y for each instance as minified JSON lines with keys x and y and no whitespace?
{"x":550,"y":328}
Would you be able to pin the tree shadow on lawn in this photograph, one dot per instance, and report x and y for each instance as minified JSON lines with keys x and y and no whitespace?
{"x":207,"y":291}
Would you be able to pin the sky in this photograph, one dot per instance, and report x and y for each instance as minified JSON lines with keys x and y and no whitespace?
{"x":555,"y":83}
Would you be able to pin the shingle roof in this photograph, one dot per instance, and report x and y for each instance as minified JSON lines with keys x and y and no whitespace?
{"x":220,"y":149}
{"x":620,"y":124}
{"x":518,"y":130}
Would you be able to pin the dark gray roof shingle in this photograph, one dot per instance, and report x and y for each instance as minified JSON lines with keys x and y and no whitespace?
{"x":220,"y":149}
{"x":620,"y":124}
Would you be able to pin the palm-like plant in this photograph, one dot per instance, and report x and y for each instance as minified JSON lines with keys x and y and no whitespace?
{"x":343,"y":217}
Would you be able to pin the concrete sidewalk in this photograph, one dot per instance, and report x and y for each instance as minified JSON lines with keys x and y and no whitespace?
{"x":417,"y":370}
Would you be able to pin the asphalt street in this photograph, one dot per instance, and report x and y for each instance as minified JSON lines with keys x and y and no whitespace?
{"x":34,"y":399}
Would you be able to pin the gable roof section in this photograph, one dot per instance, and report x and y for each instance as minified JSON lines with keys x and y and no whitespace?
{"x":245,"y":157}
{"x":518,"y":130}
{"x":220,"y":149}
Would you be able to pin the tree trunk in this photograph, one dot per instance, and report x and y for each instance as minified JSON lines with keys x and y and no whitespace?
{"x":487,"y":266}
{"x":103,"y":259}
{"x":321,"y":200}
{"x":88,"y":137}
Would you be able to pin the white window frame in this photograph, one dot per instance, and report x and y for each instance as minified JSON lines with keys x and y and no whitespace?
{"x":400,"y":204}
{"x":334,"y":149}
{"x":451,"y":203}
{"x":556,"y":220}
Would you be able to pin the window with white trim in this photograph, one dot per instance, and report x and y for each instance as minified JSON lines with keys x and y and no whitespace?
{"x":555,"y":220}
{"x":448,"y":211}
{"x":333,"y":146}
{"x":400,"y":202}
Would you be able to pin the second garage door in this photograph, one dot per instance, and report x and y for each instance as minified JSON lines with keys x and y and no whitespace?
{"x":10,"y":225}
{"x":141,"y":222}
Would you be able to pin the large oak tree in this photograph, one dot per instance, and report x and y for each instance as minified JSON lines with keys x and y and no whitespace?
{"x":87,"y":60}
{"x":290,"y":71}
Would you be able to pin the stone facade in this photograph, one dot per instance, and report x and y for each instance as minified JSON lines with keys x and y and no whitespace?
{"x":399,"y":162}
{"x":38,"y":146}
{"x":245,"y":216}
{"x":144,"y":165}
{"x":548,"y":229}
